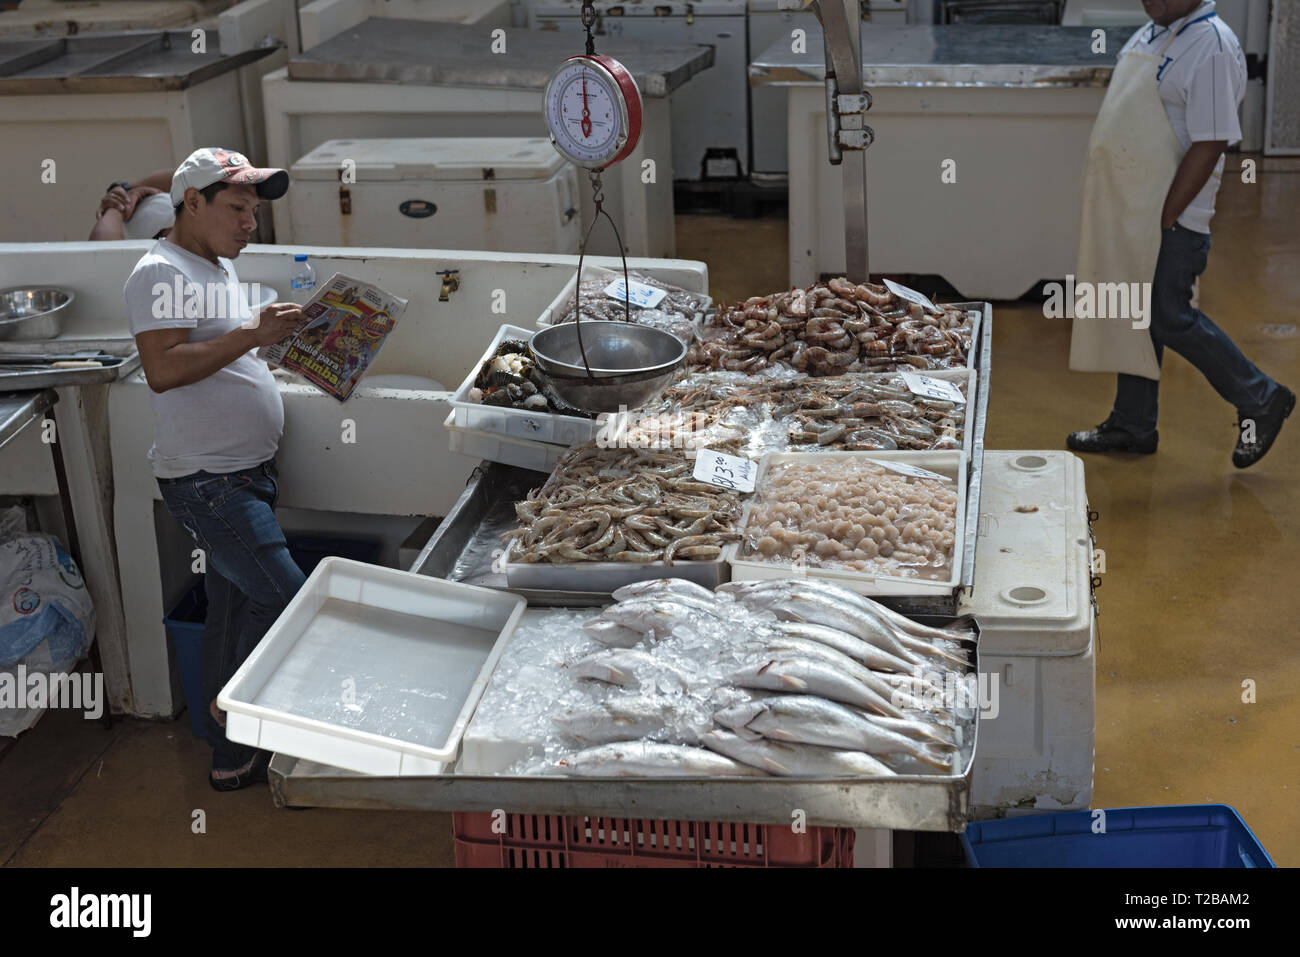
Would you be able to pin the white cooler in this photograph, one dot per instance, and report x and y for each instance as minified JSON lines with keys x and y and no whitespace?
{"x":502,"y":194}
{"x":1033,"y":598}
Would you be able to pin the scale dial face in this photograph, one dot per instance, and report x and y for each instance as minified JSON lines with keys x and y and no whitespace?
{"x":593,"y":109}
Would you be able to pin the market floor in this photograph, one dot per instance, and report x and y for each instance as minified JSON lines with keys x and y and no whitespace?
{"x":1195,"y":550}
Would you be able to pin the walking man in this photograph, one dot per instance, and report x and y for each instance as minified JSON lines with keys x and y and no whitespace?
{"x":1154,"y":164}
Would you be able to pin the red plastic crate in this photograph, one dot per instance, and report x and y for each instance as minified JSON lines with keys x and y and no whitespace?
{"x":544,"y":840}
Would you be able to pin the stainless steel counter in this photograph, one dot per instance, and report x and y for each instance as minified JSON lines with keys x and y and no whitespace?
{"x":422,"y":52}
{"x":961,"y":56}
{"x":18,"y":410}
{"x":128,"y":62}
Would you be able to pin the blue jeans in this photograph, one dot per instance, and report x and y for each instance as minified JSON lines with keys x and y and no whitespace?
{"x":250,"y":575}
{"x":1176,"y":323}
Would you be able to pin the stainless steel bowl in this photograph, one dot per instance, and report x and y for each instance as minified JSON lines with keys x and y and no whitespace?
{"x":630,"y":364}
{"x":32,"y":312}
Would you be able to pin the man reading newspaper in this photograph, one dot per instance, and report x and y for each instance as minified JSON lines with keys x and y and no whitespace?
{"x":218,"y":418}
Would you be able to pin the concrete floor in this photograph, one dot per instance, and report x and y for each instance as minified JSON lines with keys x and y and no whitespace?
{"x":1195,"y":551}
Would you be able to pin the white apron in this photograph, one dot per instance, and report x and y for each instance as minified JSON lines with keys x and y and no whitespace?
{"x":1133,"y":154}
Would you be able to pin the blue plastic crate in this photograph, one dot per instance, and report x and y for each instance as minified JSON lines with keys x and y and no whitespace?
{"x":185,"y":622}
{"x":1194,"y":835}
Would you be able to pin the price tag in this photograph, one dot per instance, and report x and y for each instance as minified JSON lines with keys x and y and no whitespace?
{"x":930,"y":388}
{"x":725,"y":471}
{"x":912,"y":470}
{"x":911,"y":295}
{"x":640,"y":295}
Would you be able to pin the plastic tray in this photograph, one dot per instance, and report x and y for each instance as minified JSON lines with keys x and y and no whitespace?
{"x":537,"y":456}
{"x":560,"y":303}
{"x":949,"y":463}
{"x":371,"y":669}
{"x":544,"y":840}
{"x":516,"y":423}
{"x":1196,"y":835}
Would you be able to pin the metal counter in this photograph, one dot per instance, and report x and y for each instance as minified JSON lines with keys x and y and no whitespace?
{"x":462,"y":550}
{"x":127,"y":62}
{"x":18,"y":410}
{"x":972,"y":55}
{"x":41,"y":377}
{"x":422,"y":52}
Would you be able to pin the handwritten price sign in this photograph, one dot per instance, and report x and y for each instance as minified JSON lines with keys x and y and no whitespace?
{"x":725,"y":471}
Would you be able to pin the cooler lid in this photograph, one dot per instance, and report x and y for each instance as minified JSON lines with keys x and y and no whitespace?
{"x":434,"y":158}
{"x":1032,"y":591}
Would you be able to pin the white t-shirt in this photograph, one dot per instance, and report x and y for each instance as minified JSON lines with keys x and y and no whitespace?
{"x":231,"y":420}
{"x":1202,"y":81}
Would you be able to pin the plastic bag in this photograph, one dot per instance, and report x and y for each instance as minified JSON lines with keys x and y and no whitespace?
{"x":43,"y":598}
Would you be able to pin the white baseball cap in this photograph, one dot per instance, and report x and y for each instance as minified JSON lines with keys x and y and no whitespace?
{"x":211,"y":165}
{"x":152,"y":215}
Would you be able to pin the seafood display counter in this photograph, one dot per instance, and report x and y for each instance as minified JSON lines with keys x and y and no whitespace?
{"x":742,"y":774}
{"x":980,"y":137}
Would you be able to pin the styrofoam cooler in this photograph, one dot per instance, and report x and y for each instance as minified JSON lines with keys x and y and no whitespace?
{"x":1033,"y":598}
{"x":513,"y":194}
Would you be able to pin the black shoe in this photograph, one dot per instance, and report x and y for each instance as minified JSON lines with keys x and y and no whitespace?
{"x":1267,"y":425}
{"x":1109,"y":437}
{"x":254,"y":772}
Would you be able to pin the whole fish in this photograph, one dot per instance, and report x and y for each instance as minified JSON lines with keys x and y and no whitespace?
{"x":796,"y":602}
{"x":628,"y":718}
{"x":804,"y":719}
{"x":795,"y":760}
{"x":781,"y":646}
{"x":628,"y":666}
{"x":877,"y":659}
{"x":678,"y":588}
{"x":651,"y":759}
{"x":611,"y":634}
{"x":809,"y":676}
{"x":656,"y":617}
{"x":958,"y":630}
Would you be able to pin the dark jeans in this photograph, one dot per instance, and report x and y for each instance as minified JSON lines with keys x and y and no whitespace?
{"x":1176,"y":323}
{"x":250,"y":576}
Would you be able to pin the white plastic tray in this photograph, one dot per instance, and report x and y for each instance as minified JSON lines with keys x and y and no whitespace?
{"x":371,"y":669}
{"x":949,"y":463}
{"x":538,"y":456}
{"x":516,"y":423}
{"x":559,"y":303}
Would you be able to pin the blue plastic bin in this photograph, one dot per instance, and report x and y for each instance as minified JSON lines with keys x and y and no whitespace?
{"x":185,"y":632}
{"x":1194,"y":835}
{"x":185,"y":623}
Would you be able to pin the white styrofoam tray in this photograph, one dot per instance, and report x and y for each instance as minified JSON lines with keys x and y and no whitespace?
{"x":948,"y":463}
{"x":371,"y":669}
{"x":560,"y":303}
{"x":538,"y":456}
{"x":524,"y":424}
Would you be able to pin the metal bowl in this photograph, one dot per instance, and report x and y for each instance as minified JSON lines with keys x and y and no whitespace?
{"x":630,"y":364}
{"x":32,"y":312}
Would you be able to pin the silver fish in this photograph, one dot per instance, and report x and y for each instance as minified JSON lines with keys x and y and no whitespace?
{"x":628,"y":666}
{"x":868,"y":654}
{"x":656,"y":617}
{"x":611,"y":634}
{"x":809,"y":676}
{"x":956,"y":631}
{"x":651,"y":759}
{"x":795,"y":760}
{"x":783,"y":646}
{"x":804,"y":719}
{"x":627,"y":718}
{"x":678,"y":588}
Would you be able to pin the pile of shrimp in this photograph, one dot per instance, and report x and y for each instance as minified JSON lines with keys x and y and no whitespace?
{"x":625,"y":505}
{"x":853,"y":514}
{"x":830,"y":328}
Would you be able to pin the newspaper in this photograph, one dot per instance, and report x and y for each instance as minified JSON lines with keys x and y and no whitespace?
{"x":347,"y":323}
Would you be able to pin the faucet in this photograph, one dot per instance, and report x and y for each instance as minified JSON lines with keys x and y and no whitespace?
{"x":450,"y":283}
